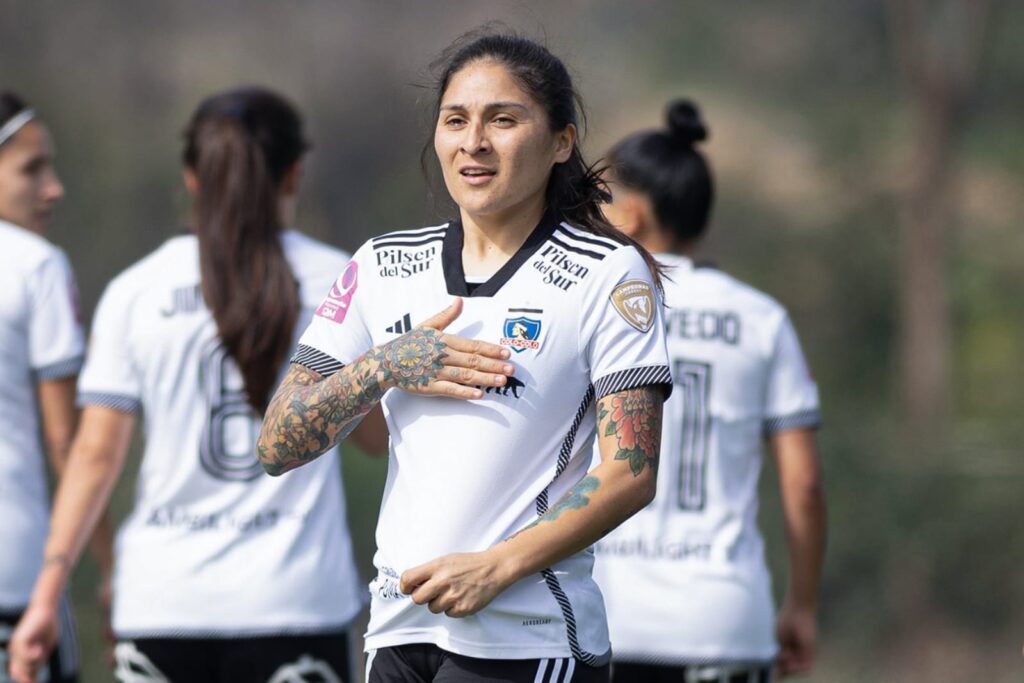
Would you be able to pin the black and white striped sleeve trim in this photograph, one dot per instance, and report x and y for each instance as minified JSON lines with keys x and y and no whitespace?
{"x":121,"y":402}
{"x":60,"y":369}
{"x":633,"y":378}
{"x":806,"y":419}
{"x":317,"y":361}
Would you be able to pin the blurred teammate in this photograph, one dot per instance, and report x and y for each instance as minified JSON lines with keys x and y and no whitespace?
{"x":223,"y":574}
{"x":688,"y":592}
{"x":41,"y":347}
{"x":484,"y":572}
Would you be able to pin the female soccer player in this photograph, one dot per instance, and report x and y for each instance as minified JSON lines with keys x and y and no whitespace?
{"x":688,"y":592}
{"x":223,"y":574}
{"x":41,"y":348}
{"x":484,"y":571}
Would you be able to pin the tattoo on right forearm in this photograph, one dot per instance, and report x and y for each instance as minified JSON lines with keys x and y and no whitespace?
{"x":575,"y":499}
{"x":309,"y":414}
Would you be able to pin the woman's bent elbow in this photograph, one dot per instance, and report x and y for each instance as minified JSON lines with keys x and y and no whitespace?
{"x":270,"y":465}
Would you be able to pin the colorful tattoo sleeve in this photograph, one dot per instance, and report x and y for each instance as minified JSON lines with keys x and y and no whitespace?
{"x":309,"y":413}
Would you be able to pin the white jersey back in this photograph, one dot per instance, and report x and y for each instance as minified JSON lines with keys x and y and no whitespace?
{"x":685,"y":579}
{"x":40,"y":339}
{"x":582,"y":320}
{"x":213,"y":545}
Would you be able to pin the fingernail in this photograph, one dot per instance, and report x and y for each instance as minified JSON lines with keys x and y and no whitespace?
{"x":505,"y":353}
{"x":500,"y":379}
{"x":508,"y":369}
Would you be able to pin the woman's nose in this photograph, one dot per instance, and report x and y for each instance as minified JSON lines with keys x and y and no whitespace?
{"x":475,"y":140}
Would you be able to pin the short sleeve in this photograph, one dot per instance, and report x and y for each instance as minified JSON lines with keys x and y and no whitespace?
{"x":338,"y":334}
{"x":111,"y":378}
{"x":791,"y":401}
{"x":622,"y":327}
{"x":56,"y":341}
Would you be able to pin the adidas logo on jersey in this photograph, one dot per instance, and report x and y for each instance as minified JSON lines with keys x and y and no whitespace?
{"x":400,"y":326}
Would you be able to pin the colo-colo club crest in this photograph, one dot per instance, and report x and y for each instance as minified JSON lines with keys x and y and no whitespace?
{"x":521,"y":333}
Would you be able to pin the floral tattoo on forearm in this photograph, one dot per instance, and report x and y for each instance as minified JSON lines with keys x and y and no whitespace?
{"x":633,"y":417}
{"x":309,"y":414}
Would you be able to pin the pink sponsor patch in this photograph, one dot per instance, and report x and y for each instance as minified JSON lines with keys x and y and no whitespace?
{"x":335,"y":306}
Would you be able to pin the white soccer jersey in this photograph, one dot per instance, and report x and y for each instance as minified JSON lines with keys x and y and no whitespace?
{"x":213,"y":547}
{"x":40,"y":339}
{"x":685,"y":579}
{"x":579,"y":313}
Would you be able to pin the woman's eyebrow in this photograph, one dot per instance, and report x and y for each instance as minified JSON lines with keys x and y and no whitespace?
{"x":488,"y":107}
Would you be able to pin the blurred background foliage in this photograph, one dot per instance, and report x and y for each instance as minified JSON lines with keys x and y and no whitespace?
{"x":813,"y":134}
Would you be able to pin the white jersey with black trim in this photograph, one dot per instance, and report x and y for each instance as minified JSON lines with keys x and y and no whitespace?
{"x":685,"y":579}
{"x":40,"y":339}
{"x":214,"y":547}
{"x":582,"y":319}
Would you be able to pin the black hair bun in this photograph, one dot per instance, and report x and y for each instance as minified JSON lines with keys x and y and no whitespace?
{"x":684,"y":122}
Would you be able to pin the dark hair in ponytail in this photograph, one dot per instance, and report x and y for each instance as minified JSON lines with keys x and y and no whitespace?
{"x":575,"y":190}
{"x":10,"y":105}
{"x":665,"y":165}
{"x":240,"y":144}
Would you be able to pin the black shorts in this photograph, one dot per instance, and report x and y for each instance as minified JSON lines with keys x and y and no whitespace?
{"x":422,"y":663}
{"x":63,"y":664}
{"x":628,"y":672}
{"x":322,"y":658}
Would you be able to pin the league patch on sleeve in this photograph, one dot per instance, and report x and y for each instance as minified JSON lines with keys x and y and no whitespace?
{"x":635,"y":301}
{"x":336,"y":304}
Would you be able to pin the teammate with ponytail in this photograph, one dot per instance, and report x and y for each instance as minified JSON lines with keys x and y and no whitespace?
{"x":687,"y":588}
{"x":223,"y":574}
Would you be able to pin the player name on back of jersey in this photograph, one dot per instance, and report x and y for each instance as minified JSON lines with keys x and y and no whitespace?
{"x":703,"y":325}
{"x":184,"y":300}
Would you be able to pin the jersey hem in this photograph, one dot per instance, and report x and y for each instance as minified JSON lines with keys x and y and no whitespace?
{"x":466,"y":649}
{"x":136,"y":634}
{"x":9,"y":612}
{"x":61,"y":369}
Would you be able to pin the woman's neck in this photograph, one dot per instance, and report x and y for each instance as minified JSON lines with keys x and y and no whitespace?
{"x":490,"y":241}
{"x":658,"y":240}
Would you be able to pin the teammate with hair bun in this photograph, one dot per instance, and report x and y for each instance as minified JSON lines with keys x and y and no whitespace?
{"x":484,"y":567}
{"x":687,"y":587}
{"x":223,"y":574}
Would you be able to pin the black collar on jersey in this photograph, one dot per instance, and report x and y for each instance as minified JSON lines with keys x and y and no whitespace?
{"x":451,"y":258}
